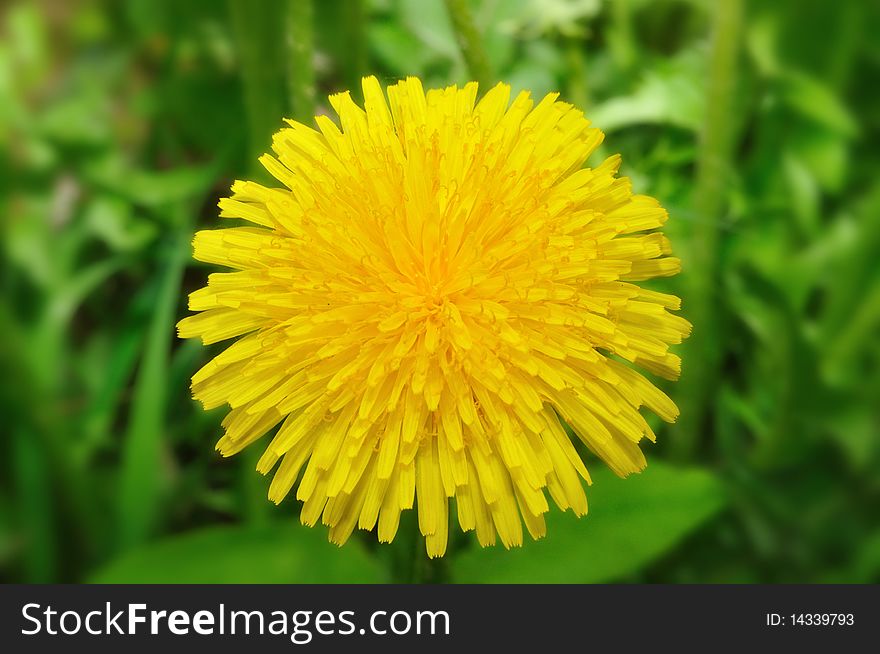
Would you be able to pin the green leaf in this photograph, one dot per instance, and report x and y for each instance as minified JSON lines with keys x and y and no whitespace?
{"x":536,"y":71}
{"x":564,"y":17}
{"x":151,"y":189}
{"x":631,"y":523}
{"x":397,"y":48}
{"x":274,"y":553}
{"x":854,"y":431}
{"x":669,"y":94}
{"x":112,"y":220}
{"x":140,"y":480}
{"x":430,"y":23}
{"x":814,"y":99}
{"x":866,"y":567}
{"x":825,"y":154}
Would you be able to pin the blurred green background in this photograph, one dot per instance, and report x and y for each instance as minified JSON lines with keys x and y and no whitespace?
{"x":757,"y":124}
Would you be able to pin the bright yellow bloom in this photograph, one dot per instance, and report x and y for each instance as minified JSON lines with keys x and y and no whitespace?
{"x":437,"y":288}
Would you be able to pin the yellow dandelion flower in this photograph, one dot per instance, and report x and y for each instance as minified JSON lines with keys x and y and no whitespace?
{"x":436,"y":290}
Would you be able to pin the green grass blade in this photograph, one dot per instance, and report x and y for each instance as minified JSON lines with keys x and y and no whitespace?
{"x":140,"y":480}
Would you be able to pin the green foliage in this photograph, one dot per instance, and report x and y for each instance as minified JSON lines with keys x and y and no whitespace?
{"x":142,"y":445}
{"x":121,"y":124}
{"x":272,"y":554}
{"x":630,"y":523}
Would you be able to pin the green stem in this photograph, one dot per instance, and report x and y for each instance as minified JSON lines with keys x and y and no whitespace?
{"x":621,"y":40}
{"x":253,"y":488}
{"x":300,"y":47}
{"x":578,"y":93}
{"x":257,"y":26}
{"x":702,"y":354}
{"x":33,"y":486}
{"x":470,"y":42}
{"x":354,"y":54}
{"x":428,"y":570}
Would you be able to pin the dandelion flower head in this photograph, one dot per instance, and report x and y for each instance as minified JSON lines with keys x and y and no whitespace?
{"x":437,"y":291}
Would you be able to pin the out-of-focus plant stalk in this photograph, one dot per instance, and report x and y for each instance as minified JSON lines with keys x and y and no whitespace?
{"x":354,"y":63}
{"x":470,"y":42}
{"x":300,"y":48}
{"x":257,"y":27}
{"x":33,"y":485}
{"x":578,"y":92}
{"x":702,"y":353}
{"x":620,"y":39}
